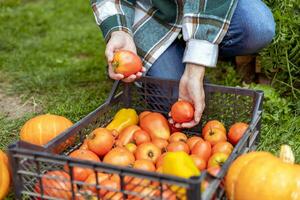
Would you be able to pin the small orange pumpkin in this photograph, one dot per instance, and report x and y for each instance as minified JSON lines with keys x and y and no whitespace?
{"x":43,"y":128}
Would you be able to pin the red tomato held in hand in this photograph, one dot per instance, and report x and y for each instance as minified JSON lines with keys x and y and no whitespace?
{"x":178,"y":137}
{"x":148,"y":151}
{"x":100,"y":141}
{"x":236,"y":132}
{"x":214,"y":136}
{"x":213,"y":124}
{"x":126,"y":63}
{"x":81,"y":173}
{"x":202,"y":149}
{"x":178,"y":146}
{"x":182,"y":111}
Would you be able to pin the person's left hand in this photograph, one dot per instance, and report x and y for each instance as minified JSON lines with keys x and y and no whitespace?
{"x":191,"y":89}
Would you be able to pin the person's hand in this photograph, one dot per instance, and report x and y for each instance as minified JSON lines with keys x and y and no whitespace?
{"x":191,"y":89}
{"x":120,"y":40}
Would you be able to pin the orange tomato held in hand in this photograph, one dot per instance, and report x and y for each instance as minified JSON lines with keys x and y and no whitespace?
{"x":236,"y":132}
{"x":100,"y":141}
{"x":214,"y":136}
{"x":213,"y":124}
{"x":148,"y":151}
{"x":126,"y":63}
{"x":182,"y":111}
{"x":156,"y":125}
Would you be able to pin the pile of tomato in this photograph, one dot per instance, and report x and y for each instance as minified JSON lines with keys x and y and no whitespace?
{"x":143,"y":146}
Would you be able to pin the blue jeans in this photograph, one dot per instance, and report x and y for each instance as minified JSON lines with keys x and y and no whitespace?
{"x":252,"y":27}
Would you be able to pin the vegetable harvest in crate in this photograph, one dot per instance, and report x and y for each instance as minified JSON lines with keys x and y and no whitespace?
{"x":124,"y":151}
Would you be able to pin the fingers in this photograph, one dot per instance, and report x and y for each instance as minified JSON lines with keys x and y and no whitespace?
{"x":129,"y":79}
{"x":109,"y":52}
{"x":199,"y":108}
{"x":114,"y":75}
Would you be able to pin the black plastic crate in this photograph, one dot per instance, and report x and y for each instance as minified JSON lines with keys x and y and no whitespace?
{"x":30,"y":162}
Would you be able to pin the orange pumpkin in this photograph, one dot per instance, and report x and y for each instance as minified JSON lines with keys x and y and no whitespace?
{"x":43,"y":128}
{"x":262,"y":176}
{"x":4,"y":175}
{"x":56,"y":184}
{"x":81,"y":173}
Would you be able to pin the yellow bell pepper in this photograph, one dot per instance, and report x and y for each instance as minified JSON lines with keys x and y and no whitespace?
{"x":179,"y":164}
{"x":123,"y":118}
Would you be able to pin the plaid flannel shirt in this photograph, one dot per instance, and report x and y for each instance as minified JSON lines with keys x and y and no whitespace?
{"x":155,"y":24}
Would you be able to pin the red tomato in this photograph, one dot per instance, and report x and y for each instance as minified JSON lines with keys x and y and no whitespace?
{"x":144,"y":165}
{"x":178,"y":146}
{"x":126,"y":135}
{"x":199,"y":161}
{"x":126,"y":63}
{"x":182,"y":111}
{"x":202,"y":149}
{"x":217,"y":159}
{"x":156,"y":125}
{"x":81,"y":173}
{"x":193,"y":140}
{"x":100,"y":141}
{"x":119,"y":156}
{"x":222,"y":147}
{"x":141,"y":136}
{"x":160,"y":143}
{"x":147,"y":151}
{"x":214,"y":136}
{"x":213,"y":124}
{"x":178,"y":137}
{"x":236,"y":132}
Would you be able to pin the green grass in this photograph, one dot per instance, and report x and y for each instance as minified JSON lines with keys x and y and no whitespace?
{"x":53,"y":52}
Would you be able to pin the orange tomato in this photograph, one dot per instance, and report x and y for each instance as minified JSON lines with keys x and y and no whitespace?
{"x":222,"y":147}
{"x":160,"y":160}
{"x":178,"y":146}
{"x":148,"y":151}
{"x":202,"y":149}
{"x":126,"y":136}
{"x":213,"y":124}
{"x":214,"y":136}
{"x":119,"y":156}
{"x":236,"y":132}
{"x":178,"y":137}
{"x":109,"y":185}
{"x":100,"y":141}
{"x":193,"y":140}
{"x":141,"y":136}
{"x":91,"y":180}
{"x":156,"y":125}
{"x":81,"y":173}
{"x":160,"y":143}
{"x":182,"y":111}
{"x":131,"y":147}
{"x":199,"y":161}
{"x":144,"y":165}
{"x":143,"y":114}
{"x":217,"y":159}
{"x":84,"y":145}
{"x":126,"y":63}
{"x":214,"y":170}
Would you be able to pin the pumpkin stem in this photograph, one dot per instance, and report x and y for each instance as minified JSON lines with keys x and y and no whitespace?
{"x":286,"y":154}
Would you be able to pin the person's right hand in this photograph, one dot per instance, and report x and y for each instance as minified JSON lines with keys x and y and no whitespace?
{"x":120,"y":40}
